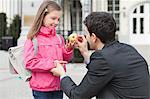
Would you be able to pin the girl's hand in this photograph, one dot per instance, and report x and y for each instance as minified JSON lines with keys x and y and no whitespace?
{"x":60,"y":63}
{"x":69,"y":45}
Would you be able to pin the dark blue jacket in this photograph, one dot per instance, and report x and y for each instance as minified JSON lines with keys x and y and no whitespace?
{"x":117,"y":71}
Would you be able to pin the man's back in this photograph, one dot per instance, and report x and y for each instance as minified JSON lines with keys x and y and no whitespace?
{"x":130,"y":72}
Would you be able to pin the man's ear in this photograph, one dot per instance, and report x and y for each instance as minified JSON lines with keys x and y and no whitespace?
{"x":93,"y":36}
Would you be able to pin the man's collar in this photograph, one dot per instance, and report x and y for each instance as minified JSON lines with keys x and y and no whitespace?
{"x":110,"y":43}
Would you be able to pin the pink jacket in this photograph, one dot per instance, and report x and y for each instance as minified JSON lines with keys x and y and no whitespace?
{"x":49,"y":50}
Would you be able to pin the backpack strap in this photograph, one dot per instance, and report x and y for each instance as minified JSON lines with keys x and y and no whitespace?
{"x":35,"y":44}
{"x":58,"y":36}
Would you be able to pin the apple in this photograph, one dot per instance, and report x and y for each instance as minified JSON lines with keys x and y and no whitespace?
{"x":72,"y":37}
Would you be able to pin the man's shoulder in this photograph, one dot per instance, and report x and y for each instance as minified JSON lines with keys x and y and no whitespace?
{"x":117,"y":46}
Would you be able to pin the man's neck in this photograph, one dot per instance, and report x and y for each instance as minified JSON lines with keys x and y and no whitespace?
{"x":99,"y":46}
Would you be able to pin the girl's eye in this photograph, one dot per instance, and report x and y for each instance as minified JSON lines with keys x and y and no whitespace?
{"x":53,"y":18}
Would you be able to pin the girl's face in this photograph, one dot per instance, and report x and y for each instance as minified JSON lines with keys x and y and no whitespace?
{"x":52,"y":19}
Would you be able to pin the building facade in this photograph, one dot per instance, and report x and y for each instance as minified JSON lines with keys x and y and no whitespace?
{"x":132,"y":16}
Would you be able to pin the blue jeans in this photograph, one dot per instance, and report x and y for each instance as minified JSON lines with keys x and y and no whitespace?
{"x":47,"y":94}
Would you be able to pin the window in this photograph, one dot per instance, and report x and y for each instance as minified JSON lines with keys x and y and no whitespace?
{"x":134,"y":25}
{"x":135,"y":11}
{"x":142,"y":9}
{"x":139,"y":17}
{"x":113,"y":7}
{"x":139,"y":24}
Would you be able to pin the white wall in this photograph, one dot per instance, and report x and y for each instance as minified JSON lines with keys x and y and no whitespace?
{"x":126,"y":6}
{"x":99,"y":5}
{"x":28,"y":10}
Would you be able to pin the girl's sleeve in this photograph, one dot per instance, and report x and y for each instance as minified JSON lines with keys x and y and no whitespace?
{"x":67,"y":53}
{"x":35,"y":62}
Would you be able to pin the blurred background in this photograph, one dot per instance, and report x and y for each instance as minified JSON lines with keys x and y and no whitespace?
{"x":133,"y":27}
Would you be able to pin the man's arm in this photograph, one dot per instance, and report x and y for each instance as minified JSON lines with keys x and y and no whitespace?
{"x":98,"y":75}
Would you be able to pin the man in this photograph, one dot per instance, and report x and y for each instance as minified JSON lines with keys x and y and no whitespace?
{"x":115,"y":70}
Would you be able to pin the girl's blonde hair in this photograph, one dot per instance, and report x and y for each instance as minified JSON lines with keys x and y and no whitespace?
{"x":46,"y":7}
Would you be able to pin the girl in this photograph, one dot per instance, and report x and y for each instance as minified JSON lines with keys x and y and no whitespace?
{"x":43,"y":83}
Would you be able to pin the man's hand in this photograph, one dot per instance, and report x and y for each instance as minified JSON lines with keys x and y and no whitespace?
{"x":81,"y":44}
{"x":59,"y":70}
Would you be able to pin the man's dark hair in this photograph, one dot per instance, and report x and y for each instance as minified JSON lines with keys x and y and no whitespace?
{"x":102,"y":24}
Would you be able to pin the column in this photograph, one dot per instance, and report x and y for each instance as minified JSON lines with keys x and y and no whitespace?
{"x":86,"y":8}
